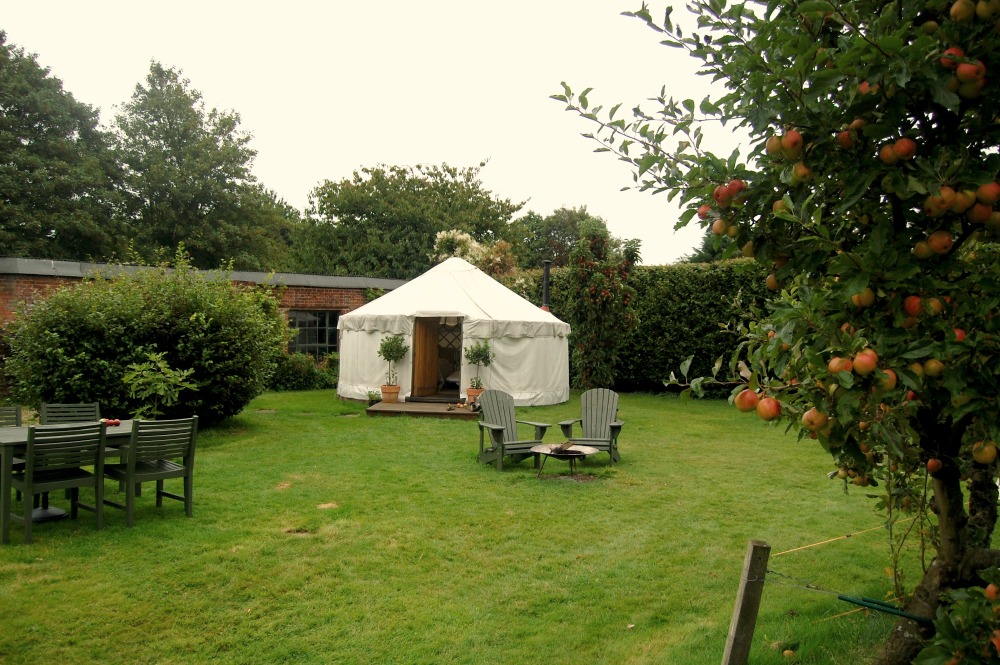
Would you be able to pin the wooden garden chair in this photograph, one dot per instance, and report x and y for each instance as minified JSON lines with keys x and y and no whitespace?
{"x":599,"y":422}
{"x":56,"y":414}
{"x":55,"y":458}
{"x":499,"y":420}
{"x":158,"y":450}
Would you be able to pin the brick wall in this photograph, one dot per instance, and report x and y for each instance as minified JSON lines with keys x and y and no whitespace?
{"x":27,"y":289}
{"x":17,"y":289}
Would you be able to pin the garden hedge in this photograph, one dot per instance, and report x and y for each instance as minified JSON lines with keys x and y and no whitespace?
{"x":683,"y":309}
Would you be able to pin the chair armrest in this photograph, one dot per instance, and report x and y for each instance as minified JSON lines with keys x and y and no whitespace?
{"x":539,"y":428}
{"x":567,"y":427}
{"x":496,"y":434}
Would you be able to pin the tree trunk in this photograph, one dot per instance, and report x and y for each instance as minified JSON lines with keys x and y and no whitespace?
{"x":964,"y":538}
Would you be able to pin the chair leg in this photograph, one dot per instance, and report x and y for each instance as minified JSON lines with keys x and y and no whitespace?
{"x":159,"y":493}
{"x":130,"y":504}
{"x":26,"y":515}
{"x":99,"y":503}
{"x":189,"y":495}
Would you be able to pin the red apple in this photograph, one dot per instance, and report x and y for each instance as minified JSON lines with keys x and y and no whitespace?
{"x":887,"y":381}
{"x":887,"y":154}
{"x":905,"y":148}
{"x":941,"y":241}
{"x":719,"y":227}
{"x":951,"y":56}
{"x":933,"y":465}
{"x":913,"y":306}
{"x":992,"y":592}
{"x":704,"y":211}
{"x":814,"y":419}
{"x":746,"y":400}
{"x":721,"y":196}
{"x":864,"y":298}
{"x":959,"y":335}
{"x":845,"y":139}
{"x":922,"y":250}
{"x":838,"y":364}
{"x":988,"y":193}
{"x":769,"y":409}
{"x":735,"y":186}
{"x":970,"y":72}
{"x":791,"y":144}
{"x":865,"y":362}
{"x":979,"y":213}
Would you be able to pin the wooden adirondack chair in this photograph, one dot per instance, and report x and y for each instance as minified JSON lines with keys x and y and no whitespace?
{"x":599,"y":421}
{"x":499,"y":420}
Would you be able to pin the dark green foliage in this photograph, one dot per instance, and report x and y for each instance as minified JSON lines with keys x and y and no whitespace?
{"x":600,"y":305}
{"x":57,"y":174}
{"x":188,"y":180}
{"x":382,"y":221}
{"x":683,"y":310}
{"x":300,"y":371}
{"x":76,"y":345}
{"x":688,"y":310}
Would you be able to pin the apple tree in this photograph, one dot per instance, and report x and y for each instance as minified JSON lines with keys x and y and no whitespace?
{"x":869,"y":187}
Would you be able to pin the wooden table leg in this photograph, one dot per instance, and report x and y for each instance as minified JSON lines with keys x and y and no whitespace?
{"x":6,"y":484}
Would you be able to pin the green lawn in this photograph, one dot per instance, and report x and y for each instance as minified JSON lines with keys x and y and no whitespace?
{"x":322,"y":535}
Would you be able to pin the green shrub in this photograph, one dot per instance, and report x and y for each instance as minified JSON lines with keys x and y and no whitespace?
{"x":300,"y":371}
{"x":77,"y":344}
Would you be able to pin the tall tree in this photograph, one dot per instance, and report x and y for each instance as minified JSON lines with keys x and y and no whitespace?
{"x":188,"y":179}
{"x":872,"y":193}
{"x":382,"y":222}
{"x":550,"y":238}
{"x":57,"y":174}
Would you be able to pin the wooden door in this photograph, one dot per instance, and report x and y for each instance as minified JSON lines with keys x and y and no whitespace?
{"x":425,"y":357}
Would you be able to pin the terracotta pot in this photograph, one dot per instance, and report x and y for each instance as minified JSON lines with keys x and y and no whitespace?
{"x":472,"y":394}
{"x":390,"y":394}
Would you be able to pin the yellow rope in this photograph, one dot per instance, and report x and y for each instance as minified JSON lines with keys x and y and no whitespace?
{"x":831,"y":540}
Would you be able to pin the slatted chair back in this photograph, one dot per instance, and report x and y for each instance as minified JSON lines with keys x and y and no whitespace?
{"x":598,"y":408}
{"x":82,"y":412}
{"x":10,"y":416}
{"x":52,"y":448}
{"x":154,"y":440}
{"x":498,"y":409}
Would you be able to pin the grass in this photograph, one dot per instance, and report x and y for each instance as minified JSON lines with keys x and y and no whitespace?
{"x":321,"y":535}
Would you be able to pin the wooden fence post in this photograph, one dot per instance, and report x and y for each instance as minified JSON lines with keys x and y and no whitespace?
{"x":747,"y":603}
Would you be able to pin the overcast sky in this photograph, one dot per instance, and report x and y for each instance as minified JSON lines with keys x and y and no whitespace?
{"x":330,"y":86}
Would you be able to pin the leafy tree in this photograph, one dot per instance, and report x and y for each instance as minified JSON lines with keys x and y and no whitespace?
{"x":383,"y":221}
{"x":870,"y":192}
{"x":600,"y":299}
{"x":536,"y":238}
{"x":57,"y":174}
{"x":188,"y":180}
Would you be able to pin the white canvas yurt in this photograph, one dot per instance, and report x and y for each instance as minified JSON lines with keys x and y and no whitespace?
{"x":440,"y":313}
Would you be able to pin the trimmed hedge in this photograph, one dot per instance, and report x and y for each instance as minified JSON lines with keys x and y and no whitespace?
{"x":75,"y":345}
{"x":682,"y":309}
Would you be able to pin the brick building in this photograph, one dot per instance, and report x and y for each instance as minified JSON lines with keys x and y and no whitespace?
{"x":313,"y":303}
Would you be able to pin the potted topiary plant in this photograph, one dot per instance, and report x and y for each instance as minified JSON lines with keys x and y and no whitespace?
{"x":392,"y":350}
{"x":480,"y":355}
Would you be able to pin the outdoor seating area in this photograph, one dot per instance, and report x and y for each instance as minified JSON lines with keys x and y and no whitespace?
{"x":70,"y":449}
{"x":311,"y":514}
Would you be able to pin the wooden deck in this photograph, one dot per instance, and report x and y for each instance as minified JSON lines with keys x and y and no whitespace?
{"x":421,"y":410}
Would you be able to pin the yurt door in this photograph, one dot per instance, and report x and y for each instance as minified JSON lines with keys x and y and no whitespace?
{"x":425,"y":357}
